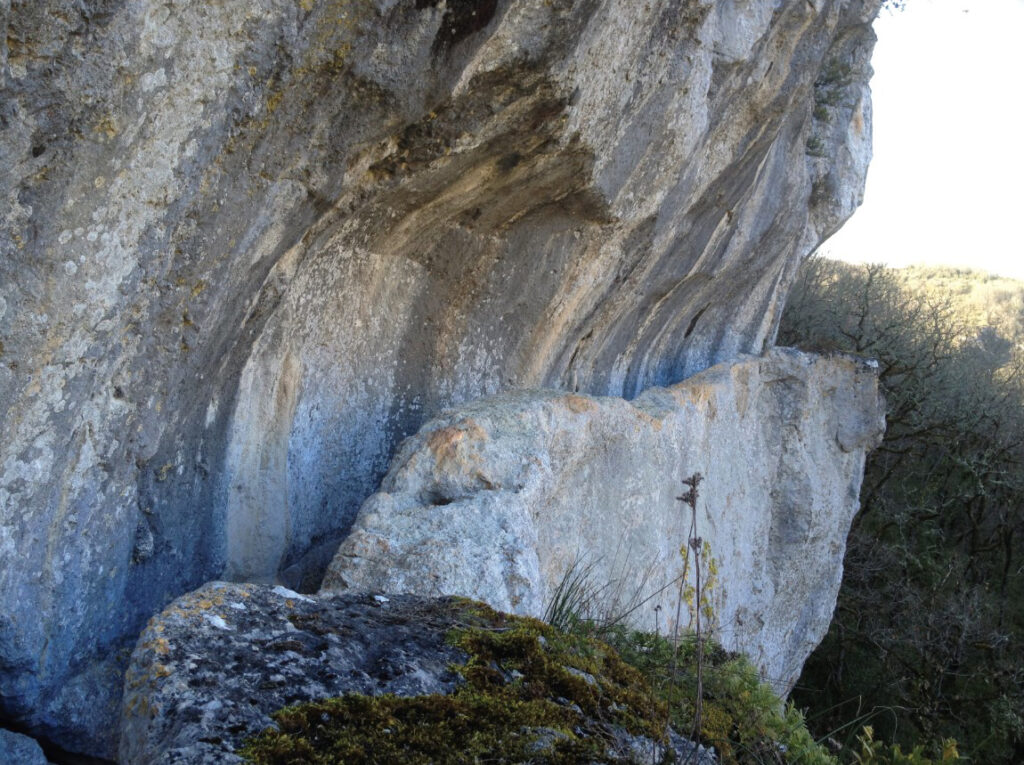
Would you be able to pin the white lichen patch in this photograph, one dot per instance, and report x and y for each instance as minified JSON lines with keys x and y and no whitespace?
{"x":216,"y":621}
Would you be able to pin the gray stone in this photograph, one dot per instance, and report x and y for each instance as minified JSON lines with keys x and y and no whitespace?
{"x":16,"y":749}
{"x":208,"y":672}
{"x":248,"y":246}
{"x":502,"y":499}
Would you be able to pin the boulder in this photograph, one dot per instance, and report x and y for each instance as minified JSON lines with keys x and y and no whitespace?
{"x":209,"y":671}
{"x":512,"y":498}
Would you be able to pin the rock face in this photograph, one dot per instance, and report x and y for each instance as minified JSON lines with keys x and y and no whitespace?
{"x":208,"y":672}
{"x":501,"y":499}
{"x":248,"y":246}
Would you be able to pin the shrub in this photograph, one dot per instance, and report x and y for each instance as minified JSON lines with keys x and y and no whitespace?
{"x":927,"y":637}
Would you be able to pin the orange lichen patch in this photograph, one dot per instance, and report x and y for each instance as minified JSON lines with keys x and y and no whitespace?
{"x":743,"y":383}
{"x":649,"y":419}
{"x":137,"y":705}
{"x":106,"y":126}
{"x":444,"y":443}
{"x":369,"y":545}
{"x":579,"y":404}
{"x":700,"y":396}
{"x":193,"y":605}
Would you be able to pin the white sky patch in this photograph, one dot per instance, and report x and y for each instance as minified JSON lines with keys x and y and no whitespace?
{"x":946,"y":185}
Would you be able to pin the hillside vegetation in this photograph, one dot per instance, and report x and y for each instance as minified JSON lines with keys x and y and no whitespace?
{"x":927,"y":638}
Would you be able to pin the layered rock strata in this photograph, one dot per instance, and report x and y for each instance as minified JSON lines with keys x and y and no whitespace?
{"x":508,"y":498}
{"x":248,"y":246}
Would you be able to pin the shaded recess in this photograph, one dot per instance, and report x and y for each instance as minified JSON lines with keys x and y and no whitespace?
{"x":461,"y":19}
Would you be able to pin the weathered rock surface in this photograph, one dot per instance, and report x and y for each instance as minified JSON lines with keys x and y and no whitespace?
{"x":248,"y":246}
{"x":17,"y":749}
{"x":498,"y":500}
{"x":208,"y":672}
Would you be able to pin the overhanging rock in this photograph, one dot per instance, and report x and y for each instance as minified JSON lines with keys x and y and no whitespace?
{"x":500,"y":499}
{"x":248,"y":246}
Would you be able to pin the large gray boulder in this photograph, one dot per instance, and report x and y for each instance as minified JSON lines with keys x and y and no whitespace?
{"x":209,"y":672}
{"x":248,"y":246}
{"x":504,"y":499}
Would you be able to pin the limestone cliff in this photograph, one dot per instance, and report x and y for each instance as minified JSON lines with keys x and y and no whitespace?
{"x":248,"y":246}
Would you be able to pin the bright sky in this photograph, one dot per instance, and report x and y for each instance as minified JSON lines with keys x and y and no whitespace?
{"x":945,"y":185}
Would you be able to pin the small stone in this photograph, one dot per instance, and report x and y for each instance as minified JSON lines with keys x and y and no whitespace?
{"x":585,"y":676}
{"x":217,"y":621}
{"x":284,"y":592}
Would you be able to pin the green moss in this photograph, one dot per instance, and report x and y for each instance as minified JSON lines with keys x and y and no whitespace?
{"x":815,"y":147}
{"x":522,"y":680}
{"x":423,"y":729}
{"x":523,"y":683}
{"x":742,"y":718}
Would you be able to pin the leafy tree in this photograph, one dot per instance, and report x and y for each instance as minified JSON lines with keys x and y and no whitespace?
{"x":927,"y":642}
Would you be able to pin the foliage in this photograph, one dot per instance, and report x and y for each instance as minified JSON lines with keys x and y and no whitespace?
{"x":572,"y":595}
{"x":927,"y":638}
{"x":874,"y":752}
{"x":579,"y":596}
{"x":742,"y":717}
{"x":716,"y":697}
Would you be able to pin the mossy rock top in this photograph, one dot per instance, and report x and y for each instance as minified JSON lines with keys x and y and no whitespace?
{"x":378,"y":679}
{"x":528,"y":693}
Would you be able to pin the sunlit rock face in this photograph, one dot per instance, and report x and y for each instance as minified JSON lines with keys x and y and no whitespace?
{"x":526,"y":498}
{"x":248,"y":246}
